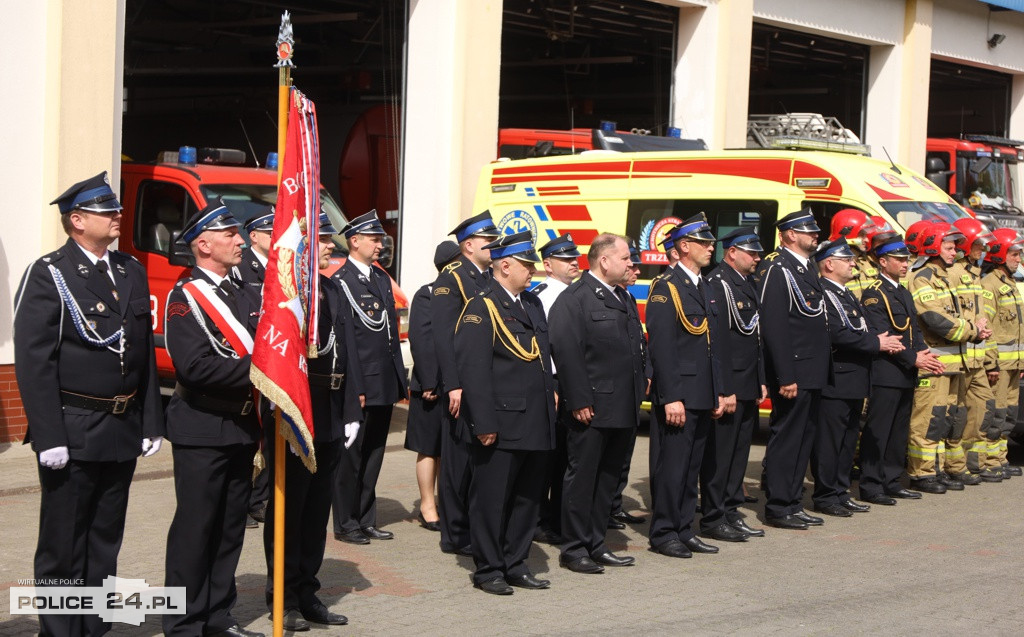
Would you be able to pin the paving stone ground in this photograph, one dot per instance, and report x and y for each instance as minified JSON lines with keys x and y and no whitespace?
{"x":945,"y":565}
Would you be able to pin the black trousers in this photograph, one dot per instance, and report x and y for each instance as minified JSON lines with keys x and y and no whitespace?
{"x":307,"y":508}
{"x":725,"y":463}
{"x":834,"y":446}
{"x":551,"y":502}
{"x":504,"y":497}
{"x":81,"y":522}
{"x":626,"y":465}
{"x":355,"y":484}
{"x":453,"y":486}
{"x":204,"y":543}
{"x":883,"y":443}
{"x":260,"y":489}
{"x":674,"y":476}
{"x":595,"y":458}
{"x":794,"y":424}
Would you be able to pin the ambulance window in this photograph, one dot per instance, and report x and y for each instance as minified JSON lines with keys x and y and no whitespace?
{"x":161,"y":211}
{"x":649,"y":221}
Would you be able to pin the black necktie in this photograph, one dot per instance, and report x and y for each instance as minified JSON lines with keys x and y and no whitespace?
{"x":703,"y":289}
{"x":103,"y":269}
{"x":227,"y":289}
{"x":621,"y":294}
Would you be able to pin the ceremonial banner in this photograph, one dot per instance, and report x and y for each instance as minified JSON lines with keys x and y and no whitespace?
{"x":291,"y":289}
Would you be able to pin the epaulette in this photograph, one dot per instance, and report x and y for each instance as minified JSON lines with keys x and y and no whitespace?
{"x":451,"y":267}
{"x":54,"y":256}
{"x":772,"y":256}
{"x":875,"y":285}
{"x":925,"y":272}
{"x":540,"y":288}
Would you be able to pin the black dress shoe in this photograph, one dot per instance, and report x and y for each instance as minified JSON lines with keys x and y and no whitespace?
{"x":786,"y":522}
{"x":750,"y":499}
{"x":527,"y":580}
{"x":627,"y":518}
{"x":462,"y":550}
{"x":374,"y":533}
{"x":695,"y":545}
{"x":236,"y":631}
{"x":583,"y":565}
{"x":611,"y":559}
{"x":251,"y":522}
{"x":726,"y":533}
{"x":547,"y":536}
{"x":293,"y":621}
{"x":673,"y":548}
{"x":809,"y":520}
{"x":879,"y":498}
{"x":904,"y":494}
{"x":259,"y":512}
{"x":741,"y":525}
{"x":430,"y":526}
{"x":836,"y":510}
{"x":354,"y":536}
{"x":925,"y":485}
{"x":320,"y":614}
{"x":496,"y":586}
{"x":615,"y":524}
{"x":856,"y":507}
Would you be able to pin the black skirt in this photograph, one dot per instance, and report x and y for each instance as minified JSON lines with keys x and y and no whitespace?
{"x":426,"y":420}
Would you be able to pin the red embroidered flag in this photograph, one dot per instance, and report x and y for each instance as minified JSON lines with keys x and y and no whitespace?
{"x":287,"y":327}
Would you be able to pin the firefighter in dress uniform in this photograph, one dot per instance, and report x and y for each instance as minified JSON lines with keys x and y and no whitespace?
{"x":857,"y":228}
{"x":381,"y":379}
{"x":937,"y":416}
{"x":561,"y":262}
{"x":334,"y":397}
{"x":798,"y":365}
{"x":457,"y":283}
{"x":211,"y":419}
{"x":889,"y":307}
{"x":728,"y":446}
{"x":688,"y":390}
{"x":503,"y":355}
{"x":854,"y":347}
{"x":83,"y":357}
{"x":426,"y":413}
{"x":1004,"y":306}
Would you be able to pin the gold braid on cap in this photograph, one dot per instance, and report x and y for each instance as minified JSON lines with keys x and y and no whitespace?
{"x":696,"y":331}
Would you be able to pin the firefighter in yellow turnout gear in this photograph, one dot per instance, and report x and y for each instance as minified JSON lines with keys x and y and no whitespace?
{"x":961,"y":460}
{"x":1004,"y":306}
{"x":936,"y":414}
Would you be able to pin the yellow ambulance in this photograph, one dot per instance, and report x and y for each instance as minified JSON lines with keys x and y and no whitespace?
{"x":643,"y":195}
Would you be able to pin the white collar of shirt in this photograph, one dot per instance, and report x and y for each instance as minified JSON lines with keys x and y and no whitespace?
{"x":362,"y":267}
{"x":216,"y":278}
{"x":94,"y":259}
{"x":259,"y":257}
{"x":802,"y":260}
{"x":886,"y":277}
{"x":556,"y":285}
{"x":839,"y":286}
{"x":695,"y":278}
{"x":514,"y":297}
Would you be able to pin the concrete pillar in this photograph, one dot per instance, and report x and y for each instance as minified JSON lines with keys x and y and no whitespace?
{"x":882,"y":125}
{"x":712,"y":73}
{"x":915,"y":78}
{"x":451,"y":122}
{"x":1016,"y":130}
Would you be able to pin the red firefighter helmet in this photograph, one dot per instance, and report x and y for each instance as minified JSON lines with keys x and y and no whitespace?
{"x":877,"y":226}
{"x":848,"y":223}
{"x":1004,"y":241}
{"x":972,"y":231}
{"x":925,"y":237}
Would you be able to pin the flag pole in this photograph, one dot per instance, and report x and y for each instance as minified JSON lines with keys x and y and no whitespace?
{"x":285,"y":44}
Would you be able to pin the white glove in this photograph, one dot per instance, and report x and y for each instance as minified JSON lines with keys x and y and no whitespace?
{"x":351,"y":430}
{"x":54,"y":458}
{"x":151,"y":445}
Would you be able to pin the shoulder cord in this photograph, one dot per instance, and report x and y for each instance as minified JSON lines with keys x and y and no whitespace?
{"x":511,"y":343}
{"x":462,"y":290}
{"x":78,"y":318}
{"x":197,"y":313}
{"x":795,"y":295}
{"x":681,"y":315}
{"x":374,"y":325}
{"x":735,"y":320}
{"x":836,"y":303}
{"x":892,"y":319}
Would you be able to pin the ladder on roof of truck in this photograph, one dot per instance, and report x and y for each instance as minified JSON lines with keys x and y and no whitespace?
{"x":807,"y":131}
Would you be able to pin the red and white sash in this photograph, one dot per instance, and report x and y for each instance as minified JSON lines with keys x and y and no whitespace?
{"x":205,"y":295}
